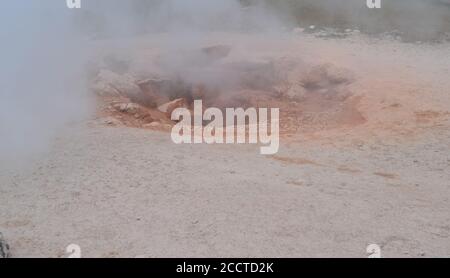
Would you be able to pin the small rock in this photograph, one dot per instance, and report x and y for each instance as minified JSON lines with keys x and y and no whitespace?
{"x":170,"y":106}
{"x":152,"y":82}
{"x":131,"y":108}
{"x":4,"y":248}
{"x":298,"y":182}
{"x":153,"y":125}
{"x":110,"y":121}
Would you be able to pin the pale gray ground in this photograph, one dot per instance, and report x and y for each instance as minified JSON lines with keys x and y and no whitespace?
{"x":129,"y":192}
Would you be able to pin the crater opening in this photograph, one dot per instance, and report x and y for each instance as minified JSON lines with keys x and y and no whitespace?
{"x":309,"y":98}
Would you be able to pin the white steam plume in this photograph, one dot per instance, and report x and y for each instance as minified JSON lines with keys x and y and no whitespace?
{"x":42,"y":87}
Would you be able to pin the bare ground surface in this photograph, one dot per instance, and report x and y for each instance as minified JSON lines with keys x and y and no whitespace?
{"x":127,"y":192}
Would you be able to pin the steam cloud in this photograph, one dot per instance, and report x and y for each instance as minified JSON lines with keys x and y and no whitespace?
{"x":42,"y":87}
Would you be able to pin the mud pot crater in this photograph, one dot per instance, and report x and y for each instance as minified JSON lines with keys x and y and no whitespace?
{"x":310,"y":98}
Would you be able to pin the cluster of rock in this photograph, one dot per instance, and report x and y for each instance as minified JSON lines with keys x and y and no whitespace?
{"x":326,"y":32}
{"x":141,"y":101}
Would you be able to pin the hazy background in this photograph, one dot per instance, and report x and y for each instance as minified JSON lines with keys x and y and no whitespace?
{"x":415,"y":19}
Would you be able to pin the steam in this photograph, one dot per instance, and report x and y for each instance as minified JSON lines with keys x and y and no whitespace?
{"x":44,"y":52}
{"x":182,"y":29}
{"x":116,"y":17}
{"x":42,"y":84}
